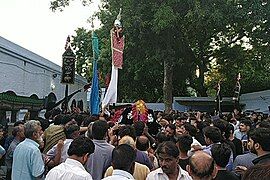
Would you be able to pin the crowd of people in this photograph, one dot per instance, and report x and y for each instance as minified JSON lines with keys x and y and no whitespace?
{"x":175,"y":145}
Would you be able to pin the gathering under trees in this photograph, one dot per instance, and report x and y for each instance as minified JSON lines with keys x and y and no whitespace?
{"x":180,"y":48}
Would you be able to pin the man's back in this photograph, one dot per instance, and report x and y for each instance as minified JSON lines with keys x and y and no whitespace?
{"x":225,"y":175}
{"x":27,"y":161}
{"x":100,"y":160}
{"x":71,"y":169}
{"x":244,"y":160}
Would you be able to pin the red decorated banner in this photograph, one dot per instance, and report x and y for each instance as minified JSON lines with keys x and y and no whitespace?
{"x":117,"y":50}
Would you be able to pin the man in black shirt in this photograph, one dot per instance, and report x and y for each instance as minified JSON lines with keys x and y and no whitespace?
{"x":259,"y":141}
{"x":221,"y":154}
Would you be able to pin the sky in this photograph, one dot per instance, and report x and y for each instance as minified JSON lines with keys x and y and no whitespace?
{"x":32,"y":25}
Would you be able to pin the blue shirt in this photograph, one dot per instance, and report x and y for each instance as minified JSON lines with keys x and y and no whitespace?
{"x":27,"y":161}
{"x":240,"y":135}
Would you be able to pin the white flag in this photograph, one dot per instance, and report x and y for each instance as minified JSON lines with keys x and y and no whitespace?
{"x":111,"y":94}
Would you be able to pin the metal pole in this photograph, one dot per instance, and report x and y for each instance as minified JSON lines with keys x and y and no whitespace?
{"x":66,"y":99}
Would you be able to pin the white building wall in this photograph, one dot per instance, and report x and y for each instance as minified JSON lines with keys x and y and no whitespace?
{"x":27,"y":73}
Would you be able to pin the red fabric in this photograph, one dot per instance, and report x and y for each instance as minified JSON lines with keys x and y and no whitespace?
{"x":117,"y":50}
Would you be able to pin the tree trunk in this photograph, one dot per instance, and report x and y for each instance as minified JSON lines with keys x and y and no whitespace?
{"x":167,"y":85}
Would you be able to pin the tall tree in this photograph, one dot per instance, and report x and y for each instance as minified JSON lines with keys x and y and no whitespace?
{"x":168,"y":41}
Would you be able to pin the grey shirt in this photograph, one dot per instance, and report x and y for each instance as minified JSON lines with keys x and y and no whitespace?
{"x":244,"y":160}
{"x":100,"y":160}
{"x":10,"y":151}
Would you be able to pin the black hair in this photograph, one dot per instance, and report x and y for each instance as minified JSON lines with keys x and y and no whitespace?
{"x":88,"y":119}
{"x":48,"y":114}
{"x":58,"y":119}
{"x":213,"y":133}
{"x":221,"y":154}
{"x":65,"y":119}
{"x":171,"y":126}
{"x":168,"y":117}
{"x":169,"y":148}
{"x":123,"y":156}
{"x":99,"y":129}
{"x":44,"y":123}
{"x":139,"y":127}
{"x":69,"y":130}
{"x":246,"y":122}
{"x":229,"y":130}
{"x":56,"y":112}
{"x":161,"y":137}
{"x":184,"y":142}
{"x":81,"y":146}
{"x":17,"y":123}
{"x":190,"y":129}
{"x":127,"y":130}
{"x":201,"y":125}
{"x":182,"y":117}
{"x":221,"y":125}
{"x":79,"y":119}
{"x":261,"y":136}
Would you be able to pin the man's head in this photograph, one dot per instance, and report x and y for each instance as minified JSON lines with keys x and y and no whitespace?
{"x":259,"y":141}
{"x":72,"y":131}
{"x":33,"y":130}
{"x":99,"y":129}
{"x":142,"y":143}
{"x":189,"y":129}
{"x":184,"y":143}
{"x":180,"y":120}
{"x":127,"y":130}
{"x":127,"y":140}
{"x":168,"y":156}
{"x":221,"y":154}
{"x":245,"y":125}
{"x":18,"y":132}
{"x":123,"y":158}
{"x":139,"y":127}
{"x":80,"y":148}
{"x":201,"y":166}
{"x":48,"y":115}
{"x":170,"y":130}
{"x":212,"y":135}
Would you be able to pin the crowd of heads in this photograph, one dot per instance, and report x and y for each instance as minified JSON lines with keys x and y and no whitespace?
{"x":205,"y":142}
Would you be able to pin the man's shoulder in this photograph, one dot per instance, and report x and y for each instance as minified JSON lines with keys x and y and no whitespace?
{"x":103,"y":145}
{"x":141,"y":168}
{"x":224,"y":174}
{"x":76,"y":171}
{"x":155,"y":172}
{"x":244,"y":157}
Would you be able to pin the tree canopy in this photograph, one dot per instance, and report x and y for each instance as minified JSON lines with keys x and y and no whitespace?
{"x":173,"y":46}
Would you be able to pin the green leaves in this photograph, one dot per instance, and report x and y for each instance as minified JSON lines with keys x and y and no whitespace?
{"x":164,"y":18}
{"x":220,"y":38}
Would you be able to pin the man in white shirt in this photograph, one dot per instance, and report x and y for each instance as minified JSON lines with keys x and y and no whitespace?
{"x":123,"y":162}
{"x":168,"y":157}
{"x":79,"y":150}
